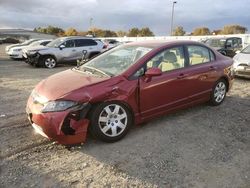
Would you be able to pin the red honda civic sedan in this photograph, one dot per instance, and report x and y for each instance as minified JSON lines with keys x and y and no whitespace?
{"x":127,"y":85}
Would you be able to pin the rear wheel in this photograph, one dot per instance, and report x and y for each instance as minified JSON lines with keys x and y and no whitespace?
{"x":219,"y":92}
{"x":110,"y":121}
{"x":49,"y":62}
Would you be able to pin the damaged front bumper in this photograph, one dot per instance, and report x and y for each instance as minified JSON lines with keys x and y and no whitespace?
{"x":66,"y":127}
{"x":32,"y":59}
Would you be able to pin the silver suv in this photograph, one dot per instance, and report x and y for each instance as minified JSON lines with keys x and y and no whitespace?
{"x":64,"y":49}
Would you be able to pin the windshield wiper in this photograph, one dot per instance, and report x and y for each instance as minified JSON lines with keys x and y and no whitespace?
{"x":97,"y":70}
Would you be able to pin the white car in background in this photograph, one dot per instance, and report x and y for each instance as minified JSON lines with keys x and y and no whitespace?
{"x":17,"y":52}
{"x":25,"y":43}
{"x":241,"y":64}
{"x":40,"y":43}
{"x":111,"y":43}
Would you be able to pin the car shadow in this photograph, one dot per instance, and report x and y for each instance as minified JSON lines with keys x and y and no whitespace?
{"x":173,"y":149}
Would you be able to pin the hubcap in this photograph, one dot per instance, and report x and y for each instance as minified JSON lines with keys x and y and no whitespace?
{"x":220,"y":92}
{"x":113,"y":120}
{"x":50,"y":62}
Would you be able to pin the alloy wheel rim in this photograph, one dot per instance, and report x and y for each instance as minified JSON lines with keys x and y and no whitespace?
{"x":113,"y":120}
{"x":50,"y":62}
{"x":220,"y":92}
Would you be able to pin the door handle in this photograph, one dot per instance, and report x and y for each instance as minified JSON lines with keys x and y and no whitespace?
{"x":181,"y":76}
{"x":212,"y":68}
{"x":73,"y":50}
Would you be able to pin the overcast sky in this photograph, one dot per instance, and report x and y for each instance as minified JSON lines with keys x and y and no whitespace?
{"x":123,"y":14}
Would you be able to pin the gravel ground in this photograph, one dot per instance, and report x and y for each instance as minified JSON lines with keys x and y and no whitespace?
{"x":202,"y":146}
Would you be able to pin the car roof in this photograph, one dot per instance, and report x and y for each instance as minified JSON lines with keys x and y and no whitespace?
{"x":76,"y":37}
{"x":161,"y":43}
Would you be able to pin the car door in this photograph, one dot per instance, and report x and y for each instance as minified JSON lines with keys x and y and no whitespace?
{"x":170,"y":89}
{"x":82,"y":45}
{"x":202,"y":71}
{"x":68,"y":52}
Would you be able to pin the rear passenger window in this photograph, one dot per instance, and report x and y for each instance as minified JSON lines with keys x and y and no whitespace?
{"x":168,"y":60}
{"x":199,"y":54}
{"x":85,"y":42}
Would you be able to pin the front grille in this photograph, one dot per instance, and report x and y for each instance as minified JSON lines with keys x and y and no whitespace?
{"x":243,"y":65}
{"x":243,"y":73}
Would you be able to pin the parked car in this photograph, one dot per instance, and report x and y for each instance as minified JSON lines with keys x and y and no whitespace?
{"x":39,"y":43}
{"x":25,"y":43}
{"x":10,"y":40}
{"x":65,"y":49}
{"x":226,"y":46}
{"x":242,"y":63}
{"x":17,"y":52}
{"x":127,"y":85}
{"x":111,"y":43}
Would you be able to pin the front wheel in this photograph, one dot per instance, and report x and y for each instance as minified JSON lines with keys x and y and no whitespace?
{"x":110,"y":121}
{"x":219,"y":92}
{"x":49,"y":62}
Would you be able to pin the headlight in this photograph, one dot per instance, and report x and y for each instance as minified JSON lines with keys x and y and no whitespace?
{"x":235,"y":64}
{"x":32,"y":51}
{"x":55,"y":106}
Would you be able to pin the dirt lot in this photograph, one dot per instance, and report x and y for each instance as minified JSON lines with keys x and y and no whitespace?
{"x":201,"y":146}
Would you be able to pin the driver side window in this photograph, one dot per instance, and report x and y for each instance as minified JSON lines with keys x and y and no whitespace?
{"x":69,"y":44}
{"x":169,"y":59}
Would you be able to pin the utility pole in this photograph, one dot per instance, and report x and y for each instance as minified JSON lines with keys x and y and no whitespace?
{"x":172,"y":18}
{"x":91,"y":25}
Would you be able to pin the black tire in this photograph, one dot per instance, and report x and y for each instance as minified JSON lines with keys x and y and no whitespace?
{"x":219,"y":92}
{"x":114,"y":121}
{"x":48,"y":62}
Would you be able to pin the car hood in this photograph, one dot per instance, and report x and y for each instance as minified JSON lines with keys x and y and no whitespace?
{"x":61,"y":84}
{"x":242,"y":58}
{"x":12,"y":45}
{"x":18,"y":47}
{"x":217,"y":48}
{"x":35,"y":48}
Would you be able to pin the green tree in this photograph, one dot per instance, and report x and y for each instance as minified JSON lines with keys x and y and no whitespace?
{"x":134,"y":32}
{"x":201,"y":31}
{"x":49,"y":30}
{"x":146,"y":32}
{"x":179,"y":31}
{"x":71,"y":32}
{"x":233,"y":29}
{"x":54,"y":30}
{"x":121,"y":33}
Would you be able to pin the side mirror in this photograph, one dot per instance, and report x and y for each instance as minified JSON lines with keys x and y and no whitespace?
{"x":61,"y":47}
{"x":154,"y":71}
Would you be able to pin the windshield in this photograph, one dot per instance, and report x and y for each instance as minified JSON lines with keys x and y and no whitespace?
{"x":116,"y":61}
{"x":55,"y":43}
{"x":37,"y":43}
{"x":216,"y":42}
{"x":246,"y":50}
{"x":28,"y":41}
